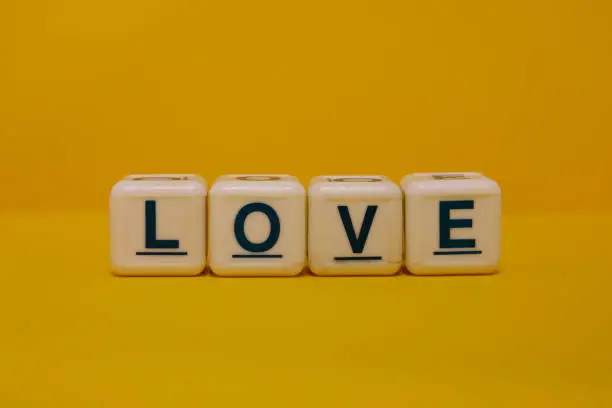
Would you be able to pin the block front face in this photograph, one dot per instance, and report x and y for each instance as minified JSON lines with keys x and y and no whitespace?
{"x":453,"y":223}
{"x":257,"y":226}
{"x":355,"y":226}
{"x":158,"y":225}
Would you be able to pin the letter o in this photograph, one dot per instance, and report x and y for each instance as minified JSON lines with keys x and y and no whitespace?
{"x":240,"y":220}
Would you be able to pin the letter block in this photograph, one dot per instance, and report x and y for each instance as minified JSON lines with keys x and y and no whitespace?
{"x":452,"y":223}
{"x":158,"y":225}
{"x":257,"y":226}
{"x":355,"y":226}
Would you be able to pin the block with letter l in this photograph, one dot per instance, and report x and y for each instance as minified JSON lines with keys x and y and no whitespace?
{"x":452,"y":223}
{"x":158,"y":225}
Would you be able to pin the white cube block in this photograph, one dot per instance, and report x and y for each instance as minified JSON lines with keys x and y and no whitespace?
{"x":453,"y":223}
{"x":355,"y":225}
{"x":257,"y":226}
{"x":158,"y":225}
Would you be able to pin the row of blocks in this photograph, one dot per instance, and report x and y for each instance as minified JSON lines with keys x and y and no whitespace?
{"x":269,"y":225}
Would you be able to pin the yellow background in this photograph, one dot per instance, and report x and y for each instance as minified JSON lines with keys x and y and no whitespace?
{"x":93,"y":90}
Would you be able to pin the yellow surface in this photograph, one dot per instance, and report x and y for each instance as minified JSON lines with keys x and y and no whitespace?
{"x":518,"y":89}
{"x":537,"y":334}
{"x":93,"y":90}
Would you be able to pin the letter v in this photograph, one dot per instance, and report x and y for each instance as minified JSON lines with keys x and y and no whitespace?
{"x":357,"y":242}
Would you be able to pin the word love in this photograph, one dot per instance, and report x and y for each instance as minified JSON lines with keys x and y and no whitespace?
{"x":268,"y":225}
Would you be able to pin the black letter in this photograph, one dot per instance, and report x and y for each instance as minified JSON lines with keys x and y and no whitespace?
{"x":446,"y":224}
{"x":357,"y":243}
{"x":241,"y":237}
{"x":151,"y":241}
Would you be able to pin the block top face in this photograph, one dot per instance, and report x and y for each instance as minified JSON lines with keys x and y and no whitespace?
{"x":271,"y":185}
{"x":354,"y":185}
{"x":449,"y":184}
{"x":160,"y":185}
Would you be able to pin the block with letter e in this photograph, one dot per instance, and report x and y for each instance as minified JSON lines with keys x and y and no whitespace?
{"x":452,"y":223}
{"x":158,"y":225}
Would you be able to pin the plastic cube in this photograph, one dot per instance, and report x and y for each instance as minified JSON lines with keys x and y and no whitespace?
{"x":452,"y":223}
{"x":257,"y":226}
{"x":355,"y":226}
{"x":158,"y":225}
